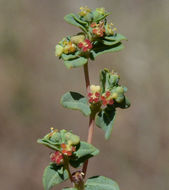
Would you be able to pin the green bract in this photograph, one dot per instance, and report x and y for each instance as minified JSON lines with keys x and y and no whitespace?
{"x":76,"y":101}
{"x":101,"y":183}
{"x":105,"y":120}
{"x":54,"y":175}
{"x":83,"y":153}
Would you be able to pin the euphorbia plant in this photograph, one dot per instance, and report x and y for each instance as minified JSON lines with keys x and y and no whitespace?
{"x":70,"y":156}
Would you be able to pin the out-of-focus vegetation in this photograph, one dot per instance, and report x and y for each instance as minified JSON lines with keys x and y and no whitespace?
{"x":32,"y":81}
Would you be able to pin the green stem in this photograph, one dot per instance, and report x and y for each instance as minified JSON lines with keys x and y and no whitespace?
{"x":66,"y":162}
{"x":91,"y":119}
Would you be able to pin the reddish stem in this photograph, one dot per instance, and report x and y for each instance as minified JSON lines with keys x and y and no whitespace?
{"x":87,"y":80}
{"x":91,"y":119}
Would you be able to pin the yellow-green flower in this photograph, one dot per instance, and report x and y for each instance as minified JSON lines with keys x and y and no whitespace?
{"x":84,"y":11}
{"x":109,"y":29}
{"x":101,"y":10}
{"x":69,"y":48}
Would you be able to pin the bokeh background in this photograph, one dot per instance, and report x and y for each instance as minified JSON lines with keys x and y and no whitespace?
{"x":32,"y":81}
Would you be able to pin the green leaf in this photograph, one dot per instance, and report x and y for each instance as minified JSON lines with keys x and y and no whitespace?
{"x":76,"y":101}
{"x":108,"y":42}
{"x":74,"y":20}
{"x":101,"y":183}
{"x":105,"y":119}
{"x":54,"y":175}
{"x":84,"y":149}
{"x":73,"y":63}
{"x":67,"y":57}
{"x":70,"y":188}
{"x":84,"y":152}
{"x":99,"y":49}
{"x":113,"y":39}
{"x":116,"y":37}
{"x":48,"y":143}
{"x":108,"y":80}
{"x":98,"y":17}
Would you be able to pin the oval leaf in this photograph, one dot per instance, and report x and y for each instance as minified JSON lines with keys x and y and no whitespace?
{"x":116,"y":37}
{"x":48,"y":143}
{"x":100,"y":49}
{"x":54,"y":175}
{"x":84,"y":152}
{"x":85,"y":149}
{"x":75,"y":101}
{"x":101,"y":183}
{"x":74,"y":20}
{"x":98,"y":17}
{"x":105,"y":120}
{"x":73,"y":63}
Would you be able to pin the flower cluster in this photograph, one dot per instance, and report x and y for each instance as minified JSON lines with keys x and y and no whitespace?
{"x":95,"y":96}
{"x":107,"y":98}
{"x":67,"y":149}
{"x":65,"y":46}
{"x":100,"y":29}
{"x":109,"y":92}
{"x":57,"y":158}
{"x":63,"y":141}
{"x":86,"y":45}
{"x":70,"y":45}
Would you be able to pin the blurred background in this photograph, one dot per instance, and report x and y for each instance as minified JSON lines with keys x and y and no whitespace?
{"x":32,"y":81}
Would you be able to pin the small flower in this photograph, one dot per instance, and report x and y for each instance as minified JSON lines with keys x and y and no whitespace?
{"x":107,"y":98}
{"x":69,"y":47}
{"x":98,"y":29}
{"x":86,"y":45}
{"x":58,"y":50}
{"x":101,"y":10}
{"x":57,"y":157}
{"x":94,"y":95}
{"x":109,"y":29}
{"x":84,"y":11}
{"x":67,"y":149}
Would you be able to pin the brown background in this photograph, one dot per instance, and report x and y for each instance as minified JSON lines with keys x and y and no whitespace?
{"x":32,"y":81}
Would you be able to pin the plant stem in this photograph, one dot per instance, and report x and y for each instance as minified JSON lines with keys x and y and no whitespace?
{"x":91,"y":119}
{"x":67,"y":168}
{"x":87,"y":80}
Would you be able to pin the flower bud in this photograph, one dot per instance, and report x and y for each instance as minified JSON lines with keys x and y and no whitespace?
{"x":114,"y":95}
{"x":119,"y":99}
{"x":120,"y":90}
{"x":58,"y":50}
{"x":77,"y":39}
